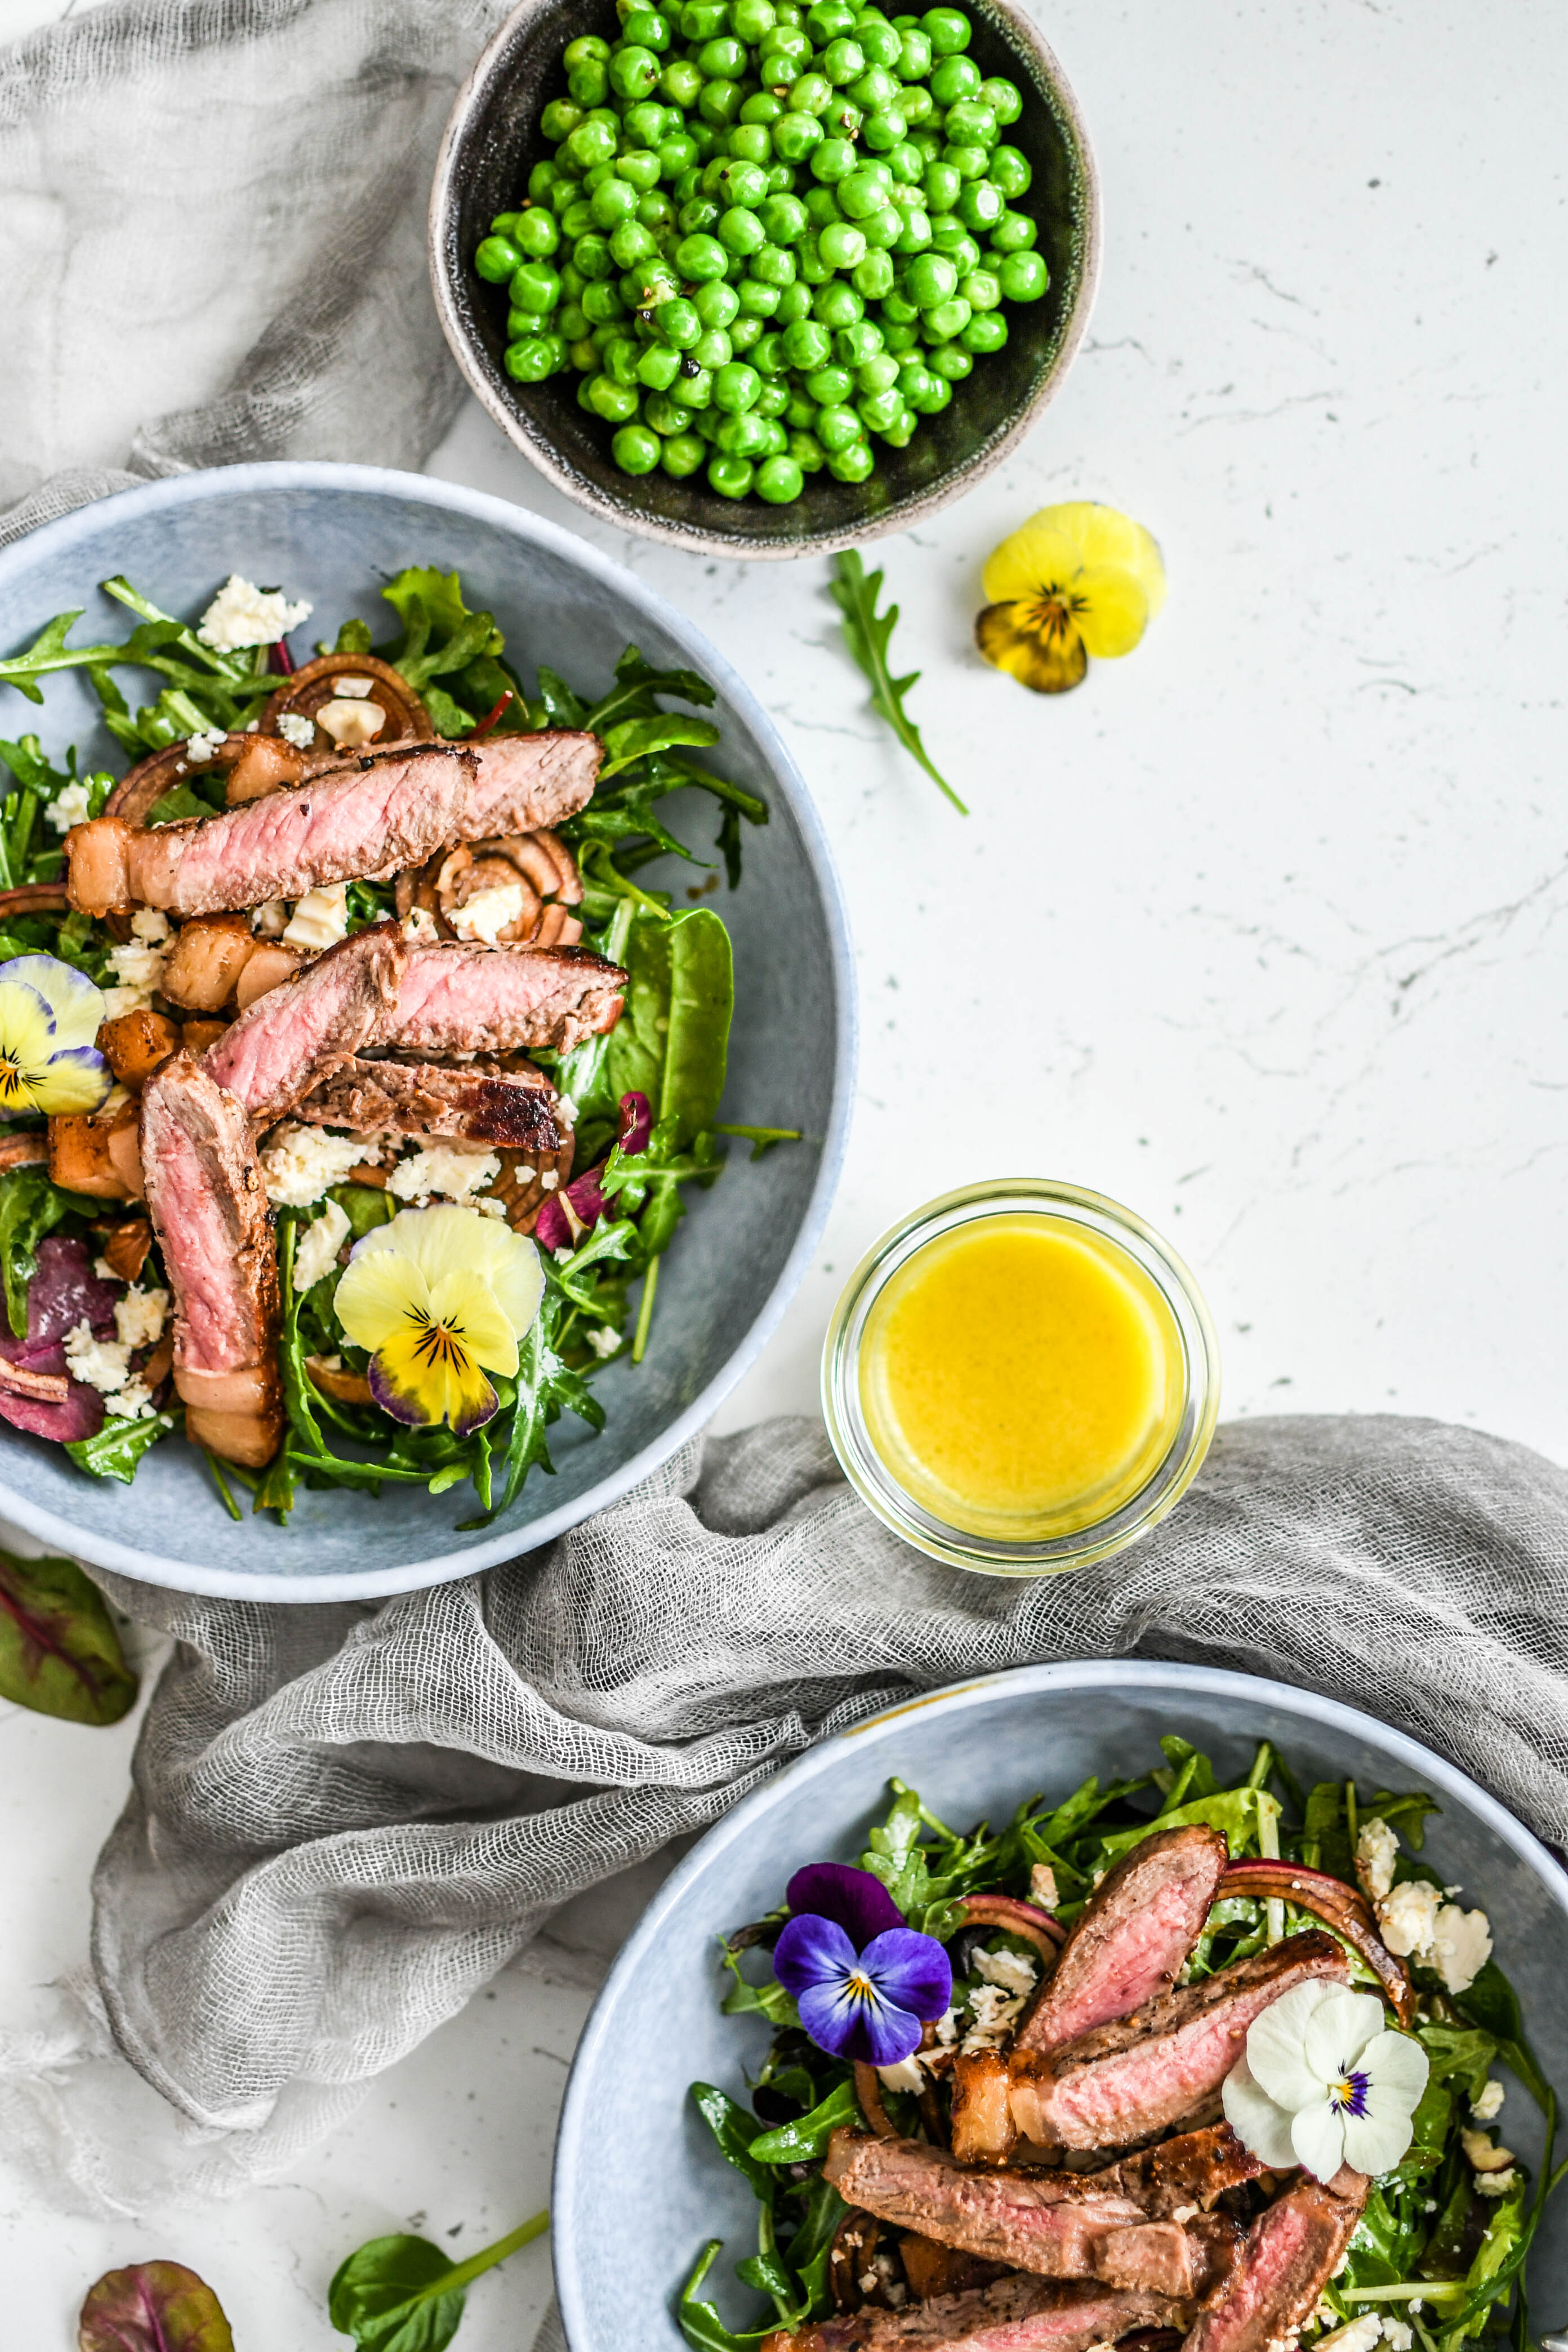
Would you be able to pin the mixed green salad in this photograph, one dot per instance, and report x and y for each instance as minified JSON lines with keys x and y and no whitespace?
{"x":1439,"y":2254}
{"x":666,"y":1055}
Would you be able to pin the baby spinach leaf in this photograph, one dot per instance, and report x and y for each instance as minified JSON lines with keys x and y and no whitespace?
{"x":867,"y":633}
{"x":116,"y":1452}
{"x":701,"y":1001}
{"x":152,"y":2307}
{"x":804,"y":2140}
{"x":60,"y":1652}
{"x":562,"y":706}
{"x":404,"y":2294}
{"x":734,"y":2129}
{"x":635,"y":738}
{"x":30,"y":1207}
{"x":699,"y":2323}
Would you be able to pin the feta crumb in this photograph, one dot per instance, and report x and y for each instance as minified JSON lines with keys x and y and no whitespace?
{"x":565,"y":1111}
{"x":1484,"y":2155}
{"x":1397,"y":2336}
{"x":907,"y":2075}
{"x":137,"y":967}
{"x":419,"y":925}
{"x":150,"y":926}
{"x":524,"y":1175}
{"x":1008,"y":1970}
{"x":1376,"y":1852}
{"x":71,"y":808}
{"x":1043,"y":1886}
{"x":104,"y":1271}
{"x":1487,"y":2103}
{"x":868,"y":2282}
{"x":1185,"y":2213}
{"x":206,"y":744}
{"x":270,"y":920}
{"x":488,"y":1206}
{"x":947,"y":2029}
{"x":994,"y":2016}
{"x":1407,"y":1915}
{"x":243,"y":614}
{"x":1495,"y":2184}
{"x":1355,"y":2336}
{"x":316,"y":1251}
{"x":134,"y":1401}
{"x":104,"y":1365}
{"x":320,"y":918}
{"x":604,"y":1343}
{"x":351,"y":724}
{"x":1461,"y":1946}
{"x":297,"y":728}
{"x":487,"y":914}
{"x":140,"y":1317}
{"x":453,"y":1175}
{"x":550,"y":1180}
{"x":301,"y":1162}
{"x":353,"y":687}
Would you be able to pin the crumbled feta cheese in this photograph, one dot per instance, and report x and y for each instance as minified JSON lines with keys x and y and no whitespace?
{"x":316,"y":1253}
{"x":150,"y":926}
{"x":206,"y":744}
{"x":1008,"y":1970}
{"x":419,"y":925}
{"x":947,"y":2029}
{"x":488,"y":1206}
{"x":550,"y":1180}
{"x":994,"y":2016}
{"x":320,"y":918}
{"x":1461,"y":1946}
{"x":1484,"y":2155}
{"x":907,"y":2075}
{"x":1487,"y":2103}
{"x":1376,"y":1852}
{"x":350,"y":724}
{"x":487,"y":914}
{"x":868,"y":2282}
{"x":563,"y":1256}
{"x":242,"y":614}
{"x":104,"y":1271}
{"x":134,"y":1401}
{"x":1495,"y":2184}
{"x":69,"y":808}
{"x":438,"y":1170}
{"x":524,"y":1175}
{"x":604,"y":1343}
{"x":297,"y":728}
{"x":1183,"y":2214}
{"x":104,"y":1365}
{"x":353,"y":687}
{"x":300,"y":1163}
{"x":565,"y":1111}
{"x":1397,"y":2336}
{"x":137,"y":966}
{"x":1355,"y":2336}
{"x":1043,"y":1886}
{"x":270,"y":920}
{"x":140,"y":1317}
{"x":1407,"y":1915}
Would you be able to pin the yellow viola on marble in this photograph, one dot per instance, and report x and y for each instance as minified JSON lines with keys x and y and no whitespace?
{"x":439,"y":1297}
{"x":1076,"y":579}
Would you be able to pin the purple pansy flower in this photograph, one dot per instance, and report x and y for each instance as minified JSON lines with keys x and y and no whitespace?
{"x":864,"y":1984}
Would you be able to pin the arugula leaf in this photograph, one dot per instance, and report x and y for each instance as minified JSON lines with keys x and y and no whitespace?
{"x":761,"y":1138}
{"x":699,"y":2323}
{"x":562,"y":706}
{"x":116,"y":1452}
{"x":419,"y":590}
{"x":1244,"y":1815}
{"x":768,"y":2000}
{"x":867,"y":633}
{"x":804,"y":2140}
{"x":48,"y":651}
{"x":152,"y":2307}
{"x":404,"y":2294}
{"x":60,"y":1652}
{"x":1458,"y":2054}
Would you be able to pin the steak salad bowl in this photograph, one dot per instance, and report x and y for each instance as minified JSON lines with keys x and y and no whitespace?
{"x":980,"y":2025}
{"x":444,"y":944}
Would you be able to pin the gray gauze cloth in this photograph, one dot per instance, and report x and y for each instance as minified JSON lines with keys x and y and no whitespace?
{"x":345,"y":1819}
{"x":213,"y":218}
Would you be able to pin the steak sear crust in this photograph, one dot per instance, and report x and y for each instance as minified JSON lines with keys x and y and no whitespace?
{"x":292,"y":1038}
{"x":1015,"y":2315}
{"x":1131,"y":1938}
{"x":1291,"y":2252}
{"x":424,"y":1098}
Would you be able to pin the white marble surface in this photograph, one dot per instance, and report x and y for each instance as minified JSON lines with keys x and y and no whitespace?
{"x":1257,"y":930}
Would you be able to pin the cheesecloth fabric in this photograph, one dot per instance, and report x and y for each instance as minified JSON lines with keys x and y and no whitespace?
{"x":213,"y":218}
{"x":344,"y":1820}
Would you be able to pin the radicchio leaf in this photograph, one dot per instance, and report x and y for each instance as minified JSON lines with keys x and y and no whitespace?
{"x":65,"y":1291}
{"x":59,"y":1654}
{"x":79,"y":1415}
{"x":152,"y":2307}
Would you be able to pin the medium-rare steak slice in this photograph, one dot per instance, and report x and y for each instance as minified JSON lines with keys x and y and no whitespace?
{"x":1015,"y":2314}
{"x":1292,"y":2251}
{"x":463,"y":999}
{"x":424,"y":1099}
{"x":292,"y":1038}
{"x":381,"y":812}
{"x":209,"y":1209}
{"x":1129,"y":2080}
{"x":1057,"y":2224}
{"x":1133,"y":1935}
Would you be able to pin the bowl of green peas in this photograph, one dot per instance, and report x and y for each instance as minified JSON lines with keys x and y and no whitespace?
{"x":764,"y":277}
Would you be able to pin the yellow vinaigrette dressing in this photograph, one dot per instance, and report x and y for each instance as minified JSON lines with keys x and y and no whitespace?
{"x":1021,"y":1377}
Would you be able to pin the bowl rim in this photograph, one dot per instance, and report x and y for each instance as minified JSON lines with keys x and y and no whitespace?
{"x":573,"y":2136}
{"x":172,"y":491}
{"x":955,"y":483}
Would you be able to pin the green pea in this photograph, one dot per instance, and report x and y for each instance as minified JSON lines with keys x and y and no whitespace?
{"x":1013,"y":233}
{"x":700,"y":19}
{"x":947,"y":29}
{"x":747,"y":335}
{"x":884,"y":131}
{"x":982,"y":289}
{"x":876,"y":410}
{"x":970,"y":125}
{"x":774,"y":395}
{"x":680,"y":83}
{"x":658,"y":367}
{"x":647,"y":29}
{"x":838,"y":305}
{"x":703,"y":135}
{"x":914,"y":56}
{"x":955,"y":78}
{"x":1023,"y":276}
{"x":655,"y":210}
{"x":559,"y":120}
{"x":541,"y":180}
{"x":677,"y":322}
{"x":795,"y":303}
{"x":942,"y":187}
{"x":1003,"y":98}
{"x":830,"y":387}
{"x":873,"y":277}
{"x":784,"y":219}
{"x":592,"y":142}
{"x":883,"y":230}
{"x":586,"y":49}
{"x":970,"y":163}
{"x":739,"y":231}
{"x":665,"y":416}
{"x":496,"y":258}
{"x":730,"y":476}
{"x":861,"y":194}
{"x":584,"y":356}
{"x":723,"y":60}
{"x":842,"y":120}
{"x":537,"y":233}
{"x":786,"y":49}
{"x":777,"y":440}
{"x":853,"y":463}
{"x":620,"y":361}
{"x":720,"y":102}
{"x":807,"y":450}
{"x":875,"y":89}
{"x":634,"y":71}
{"x":779,"y":480}
{"x":577,"y":219}
{"x":879,"y":373}
{"x":981,"y":205}
{"x":752,"y":142}
{"x":897,"y":335}
{"x":986,"y":331}
{"x":828,"y":20}
{"x":1011,"y":171}
{"x":795,"y":136}
{"x":602,"y":303}
{"x":573,"y":323}
{"x":843,"y":61}
{"x":915,"y":235}
{"x":612,"y":202}
{"x":530,"y":361}
{"x":681,"y":455}
{"x":853,"y":345}
{"x":535,"y":287}
{"x":641,"y":168}
{"x":758,"y":300}
{"x":883,"y":45}
{"x":931,"y":277}
{"x":832,"y":162}
{"x":906,"y":164}
{"x":632,"y":243}
{"x":715,"y":303}
{"x":589,"y":83}
{"x":645,"y":122}
{"x":901,"y":431}
{"x":742,"y":436}
{"x":946,"y":320}
{"x":838,"y":428}
{"x":701,"y":257}
{"x":914,"y":378}
{"x":752,"y":20}
{"x":615,"y":403}
{"x":952,"y":361}
{"x":676,"y":154}
{"x":521,"y":324}
{"x":841,"y":245}
{"x":693,"y":390}
{"x":812,"y":95}
{"x":919,"y":109}
{"x":713,"y":348}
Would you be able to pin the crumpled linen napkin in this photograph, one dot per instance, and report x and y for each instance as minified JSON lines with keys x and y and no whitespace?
{"x":213,"y":218}
{"x":344,"y":1819}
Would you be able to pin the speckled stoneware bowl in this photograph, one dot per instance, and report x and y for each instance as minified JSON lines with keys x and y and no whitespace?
{"x":492,"y":143}
{"x":333,"y":533}
{"x":640,"y":2188}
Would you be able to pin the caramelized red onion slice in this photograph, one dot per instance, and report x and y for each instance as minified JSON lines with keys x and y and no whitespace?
{"x":35,"y":898}
{"x":1025,"y":1919}
{"x":307,"y":689}
{"x":868,"y":2091}
{"x":1343,"y":1908}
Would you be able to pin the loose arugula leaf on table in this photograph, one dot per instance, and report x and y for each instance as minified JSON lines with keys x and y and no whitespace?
{"x":404,"y":2294}
{"x":59,"y":1654}
{"x":152,"y":2307}
{"x":117,"y":1450}
{"x":867,"y":633}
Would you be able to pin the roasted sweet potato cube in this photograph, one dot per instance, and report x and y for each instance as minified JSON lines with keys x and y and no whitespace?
{"x":79,"y":1159}
{"x":208,"y":955}
{"x":135,"y":1044}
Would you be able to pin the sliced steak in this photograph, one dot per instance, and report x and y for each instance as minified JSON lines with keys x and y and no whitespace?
{"x":379,"y":813}
{"x":1057,"y":2224}
{"x":209,"y":1209}
{"x":1015,"y":2315}
{"x":295,"y":1037}
{"x":424,"y":1098}
{"x":1180,"y":2173}
{"x":1129,"y":2080}
{"x":1133,"y":1935}
{"x":462,"y":999}
{"x":1292,"y":2251}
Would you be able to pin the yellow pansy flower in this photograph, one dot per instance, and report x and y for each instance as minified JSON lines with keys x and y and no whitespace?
{"x":439,"y":1297}
{"x":1078,"y":578}
{"x":49,"y":1014}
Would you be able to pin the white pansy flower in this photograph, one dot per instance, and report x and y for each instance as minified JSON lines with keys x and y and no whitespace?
{"x":1325,"y":2082}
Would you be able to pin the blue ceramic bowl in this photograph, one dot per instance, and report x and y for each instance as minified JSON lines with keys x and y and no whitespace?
{"x":639,"y":2186}
{"x":334,"y":534}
